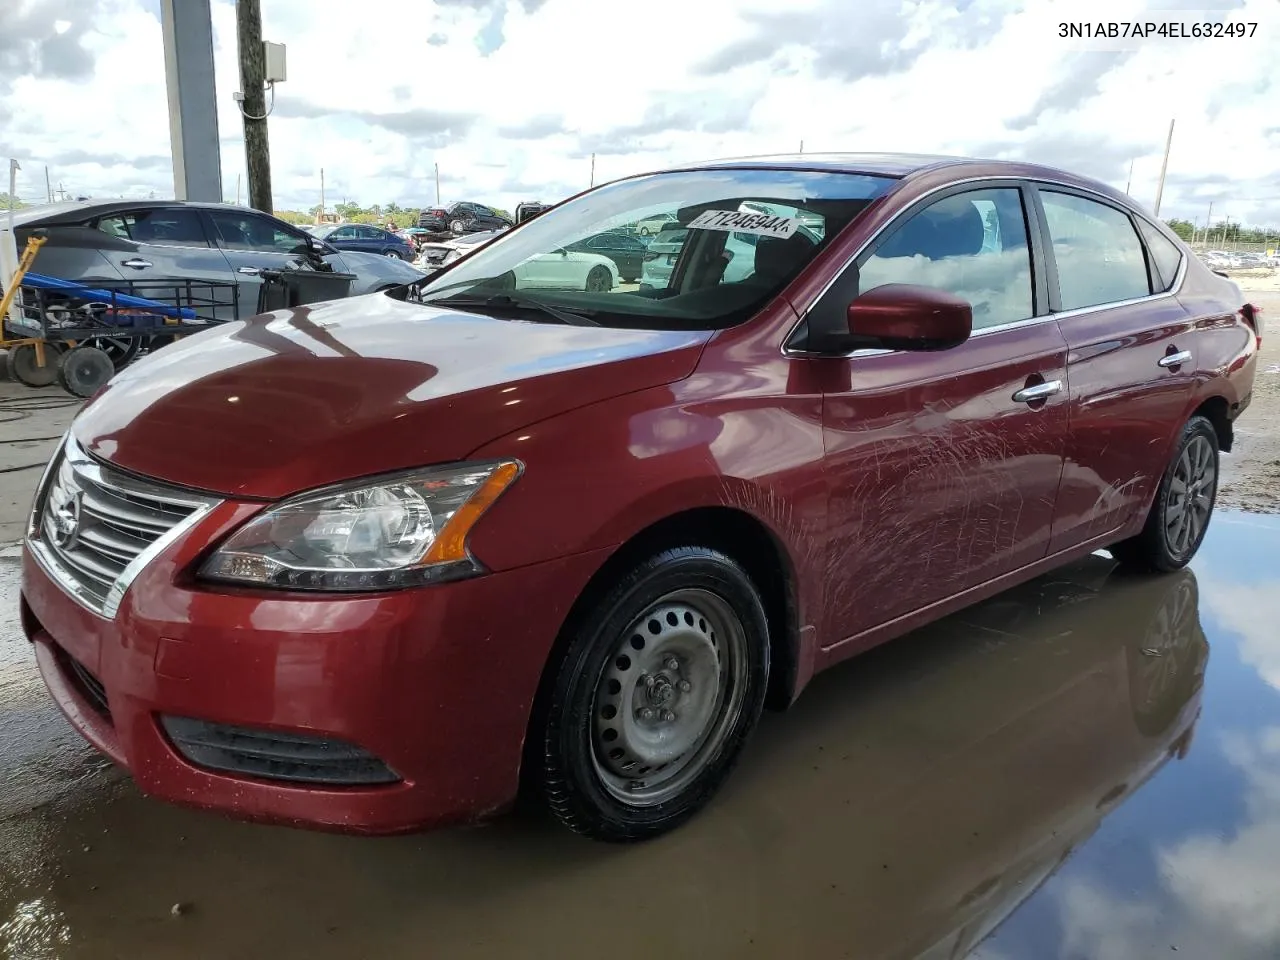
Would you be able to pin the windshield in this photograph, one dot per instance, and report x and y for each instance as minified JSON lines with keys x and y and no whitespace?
{"x":730,"y":240}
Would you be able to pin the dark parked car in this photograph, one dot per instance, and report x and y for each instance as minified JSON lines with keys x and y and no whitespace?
{"x":463,"y":217}
{"x":530,"y":209}
{"x":117,"y":242}
{"x":374,"y":565}
{"x":367,"y":239}
{"x":623,"y":249}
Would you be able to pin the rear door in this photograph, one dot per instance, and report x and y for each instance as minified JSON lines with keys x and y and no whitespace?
{"x":1131,"y":369}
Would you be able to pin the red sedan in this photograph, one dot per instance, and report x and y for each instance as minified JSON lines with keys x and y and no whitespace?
{"x":374,"y":565}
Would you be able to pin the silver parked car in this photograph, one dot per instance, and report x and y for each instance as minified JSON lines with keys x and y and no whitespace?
{"x":156,"y":240}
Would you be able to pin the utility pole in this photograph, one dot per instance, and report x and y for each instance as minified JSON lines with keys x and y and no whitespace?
{"x":437,"y":184}
{"x":237,"y":189}
{"x":802,"y":146}
{"x":48,"y":187}
{"x":1128,"y":183}
{"x":1164,"y":166}
{"x":320,"y":218}
{"x":253,"y":70}
{"x":593,"y":170}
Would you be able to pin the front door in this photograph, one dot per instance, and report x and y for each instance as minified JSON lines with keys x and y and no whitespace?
{"x":944,"y":466}
{"x":252,"y":243}
{"x":1131,"y":369}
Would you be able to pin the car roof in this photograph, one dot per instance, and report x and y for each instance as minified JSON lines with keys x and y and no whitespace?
{"x":903,"y":165}
{"x":76,"y":211}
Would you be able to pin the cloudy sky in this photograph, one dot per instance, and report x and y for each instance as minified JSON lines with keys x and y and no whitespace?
{"x":512,"y":97}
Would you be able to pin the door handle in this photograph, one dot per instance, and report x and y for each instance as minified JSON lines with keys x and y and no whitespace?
{"x":249,"y":271}
{"x":1175,"y":359}
{"x":1039,"y":391}
{"x":136,"y":262}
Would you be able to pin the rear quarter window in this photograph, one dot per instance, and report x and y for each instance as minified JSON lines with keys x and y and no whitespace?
{"x":1165,"y":253}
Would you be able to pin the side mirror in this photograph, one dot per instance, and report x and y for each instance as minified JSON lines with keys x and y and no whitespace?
{"x":902,"y":316}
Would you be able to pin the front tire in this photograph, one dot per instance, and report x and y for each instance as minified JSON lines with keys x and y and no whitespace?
{"x":654,"y":697}
{"x":1183,"y":505}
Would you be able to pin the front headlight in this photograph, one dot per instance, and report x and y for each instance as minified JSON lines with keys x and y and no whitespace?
{"x":398,"y":531}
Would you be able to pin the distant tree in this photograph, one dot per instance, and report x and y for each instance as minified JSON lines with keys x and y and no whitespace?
{"x":4,"y":202}
{"x":1182,"y":228}
{"x":294,"y":216}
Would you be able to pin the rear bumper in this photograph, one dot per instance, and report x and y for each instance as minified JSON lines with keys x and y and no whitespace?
{"x":436,"y":683}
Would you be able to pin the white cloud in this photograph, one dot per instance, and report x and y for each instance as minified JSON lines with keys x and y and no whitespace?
{"x":1251,"y":611}
{"x":1217,"y":891}
{"x":377,"y":96}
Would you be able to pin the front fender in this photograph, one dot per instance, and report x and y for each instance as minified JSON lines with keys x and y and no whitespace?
{"x":596,"y":477}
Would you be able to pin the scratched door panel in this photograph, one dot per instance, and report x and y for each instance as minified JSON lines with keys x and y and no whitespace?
{"x":939,"y":479}
{"x":1122,"y":405}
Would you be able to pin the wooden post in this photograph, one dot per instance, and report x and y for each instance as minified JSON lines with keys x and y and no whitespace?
{"x":253,"y":108}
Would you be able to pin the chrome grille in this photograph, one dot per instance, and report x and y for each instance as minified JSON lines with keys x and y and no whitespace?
{"x":96,"y":528}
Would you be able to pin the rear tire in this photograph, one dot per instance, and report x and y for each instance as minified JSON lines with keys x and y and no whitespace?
{"x":1183,"y":505}
{"x":653,"y":698}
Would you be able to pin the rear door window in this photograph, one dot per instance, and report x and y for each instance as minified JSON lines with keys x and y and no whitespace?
{"x":1097,"y":251}
{"x":169,"y":226}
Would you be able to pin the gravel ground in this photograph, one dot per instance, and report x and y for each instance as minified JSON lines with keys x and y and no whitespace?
{"x":1251,"y":472}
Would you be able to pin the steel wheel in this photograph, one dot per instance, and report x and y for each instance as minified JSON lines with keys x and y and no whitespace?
{"x":1192,"y":488}
{"x":669,"y":693}
{"x":647,"y":707}
{"x":392,"y":254}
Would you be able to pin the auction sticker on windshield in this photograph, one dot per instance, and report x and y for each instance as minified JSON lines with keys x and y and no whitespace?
{"x":734,"y":221}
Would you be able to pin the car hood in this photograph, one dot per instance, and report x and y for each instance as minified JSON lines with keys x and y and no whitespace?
{"x":318,"y":394}
{"x":386,"y":269}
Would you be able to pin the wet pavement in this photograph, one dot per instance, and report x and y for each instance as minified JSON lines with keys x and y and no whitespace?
{"x":1088,"y":765}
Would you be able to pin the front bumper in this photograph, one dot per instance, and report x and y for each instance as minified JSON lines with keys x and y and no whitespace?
{"x":436,"y":683}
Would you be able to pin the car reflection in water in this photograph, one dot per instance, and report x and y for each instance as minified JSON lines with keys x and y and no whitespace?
{"x":912,"y":800}
{"x":956,"y":772}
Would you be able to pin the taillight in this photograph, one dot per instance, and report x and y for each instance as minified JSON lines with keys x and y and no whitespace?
{"x":1253,"y":316}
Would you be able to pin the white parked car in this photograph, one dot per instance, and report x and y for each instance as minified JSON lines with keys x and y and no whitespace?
{"x":558,"y":270}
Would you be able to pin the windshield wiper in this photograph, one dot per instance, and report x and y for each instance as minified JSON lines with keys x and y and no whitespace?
{"x":503,"y":301}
